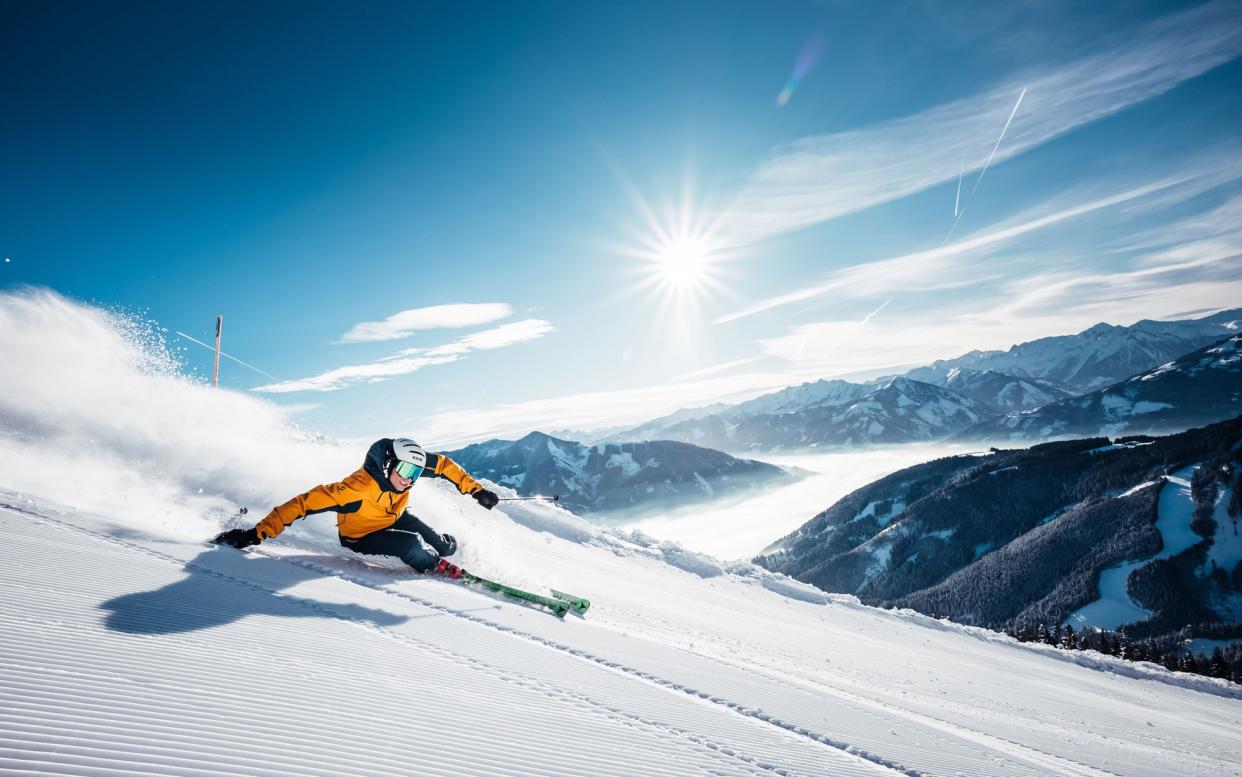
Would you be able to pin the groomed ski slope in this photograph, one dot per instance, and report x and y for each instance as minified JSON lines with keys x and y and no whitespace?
{"x":129,"y":646}
{"x":130,"y":654}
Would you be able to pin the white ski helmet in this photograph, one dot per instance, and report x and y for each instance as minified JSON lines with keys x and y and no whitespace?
{"x":405,"y":450}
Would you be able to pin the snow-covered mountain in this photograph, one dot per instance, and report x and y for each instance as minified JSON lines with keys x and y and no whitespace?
{"x":132,"y":647}
{"x":1198,"y":388}
{"x":1095,"y":357}
{"x":793,"y":399}
{"x":614,"y":476}
{"x":994,"y":392}
{"x":654,"y":429}
{"x":1022,"y":537}
{"x":834,"y":413}
{"x":986,"y":383}
{"x":796,"y":399}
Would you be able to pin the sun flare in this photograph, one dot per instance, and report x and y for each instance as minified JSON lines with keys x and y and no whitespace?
{"x":684,"y":263}
{"x":680,"y":257}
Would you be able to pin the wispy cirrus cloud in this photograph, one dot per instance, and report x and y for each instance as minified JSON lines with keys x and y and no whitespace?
{"x":948,"y":266}
{"x":1194,"y":263}
{"x":488,"y":339}
{"x":822,"y":177}
{"x":414,"y":359}
{"x":410,"y":321}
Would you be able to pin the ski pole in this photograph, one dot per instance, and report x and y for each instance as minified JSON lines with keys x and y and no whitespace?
{"x":554,"y":498}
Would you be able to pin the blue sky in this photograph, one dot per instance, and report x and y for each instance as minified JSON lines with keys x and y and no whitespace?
{"x":461,"y":220}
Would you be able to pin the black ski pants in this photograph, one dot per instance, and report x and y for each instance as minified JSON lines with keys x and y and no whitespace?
{"x":401,"y":540}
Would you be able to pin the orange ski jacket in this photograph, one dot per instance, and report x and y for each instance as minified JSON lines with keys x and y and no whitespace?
{"x":365,"y":501}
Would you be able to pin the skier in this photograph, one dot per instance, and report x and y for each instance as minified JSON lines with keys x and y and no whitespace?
{"x":370,"y":507}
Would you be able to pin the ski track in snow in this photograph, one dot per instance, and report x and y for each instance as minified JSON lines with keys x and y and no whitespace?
{"x":752,"y":738}
{"x":612,"y":713}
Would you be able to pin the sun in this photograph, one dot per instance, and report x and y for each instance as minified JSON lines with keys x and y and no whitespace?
{"x":680,"y":258}
{"x":684,"y":263}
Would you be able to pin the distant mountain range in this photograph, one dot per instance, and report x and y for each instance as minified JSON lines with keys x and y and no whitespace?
{"x":830,"y":413}
{"x":614,"y":476}
{"x":1032,"y":392}
{"x":1096,"y":357}
{"x":1022,"y":536}
{"x":988,"y":392}
{"x":1200,"y":387}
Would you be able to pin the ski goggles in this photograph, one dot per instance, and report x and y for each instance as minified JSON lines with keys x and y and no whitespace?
{"x":405,"y":469}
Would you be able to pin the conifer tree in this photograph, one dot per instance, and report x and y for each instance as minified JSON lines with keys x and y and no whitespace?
{"x":1218,"y":667}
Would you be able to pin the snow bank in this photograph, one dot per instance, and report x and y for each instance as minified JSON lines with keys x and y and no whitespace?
{"x":695,"y":563}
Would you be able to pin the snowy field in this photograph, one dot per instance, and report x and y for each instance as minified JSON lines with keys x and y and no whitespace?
{"x":133,"y":647}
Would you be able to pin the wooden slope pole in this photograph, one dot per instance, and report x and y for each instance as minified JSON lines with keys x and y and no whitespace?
{"x":215,"y":370}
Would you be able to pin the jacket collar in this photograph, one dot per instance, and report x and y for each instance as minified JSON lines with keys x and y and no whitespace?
{"x":377,"y":461}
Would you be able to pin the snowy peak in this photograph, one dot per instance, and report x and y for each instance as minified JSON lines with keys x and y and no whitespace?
{"x":902,"y":410}
{"x":1096,"y":357}
{"x":1201,"y":387}
{"x":654,"y":429}
{"x":834,"y":413}
{"x":795,"y":399}
{"x":994,"y":392}
{"x":970,"y":389}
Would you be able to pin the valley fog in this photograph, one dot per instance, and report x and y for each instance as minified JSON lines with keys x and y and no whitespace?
{"x":732,"y":528}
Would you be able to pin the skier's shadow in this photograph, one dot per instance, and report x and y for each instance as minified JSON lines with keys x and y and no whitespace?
{"x":223,"y":586}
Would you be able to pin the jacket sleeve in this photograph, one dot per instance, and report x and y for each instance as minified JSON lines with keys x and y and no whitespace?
{"x":441,"y":466}
{"x":333,"y":497}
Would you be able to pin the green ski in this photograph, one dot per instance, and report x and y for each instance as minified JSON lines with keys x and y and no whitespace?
{"x":559,"y":608}
{"x":559,"y":603}
{"x":578,"y":604}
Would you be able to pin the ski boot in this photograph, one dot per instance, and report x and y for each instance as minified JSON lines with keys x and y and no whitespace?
{"x":446,"y":569}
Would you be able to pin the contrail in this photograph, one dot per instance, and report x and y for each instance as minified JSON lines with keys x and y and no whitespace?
{"x":222,"y":353}
{"x":867,"y":318}
{"x":958,"y":211}
{"x":1012,"y":113}
{"x":874,"y":313}
{"x":957,"y":200}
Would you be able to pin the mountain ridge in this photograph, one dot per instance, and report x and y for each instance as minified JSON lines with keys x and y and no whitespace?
{"x":1024,"y":378}
{"x":614,"y":476}
{"x":1021,"y":536}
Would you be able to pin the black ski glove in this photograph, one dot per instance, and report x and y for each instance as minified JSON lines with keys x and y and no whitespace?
{"x":238,"y":538}
{"x":447,"y":545}
{"x":486,"y":498}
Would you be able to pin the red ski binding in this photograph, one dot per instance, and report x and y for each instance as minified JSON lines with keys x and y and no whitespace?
{"x":447,"y":569}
